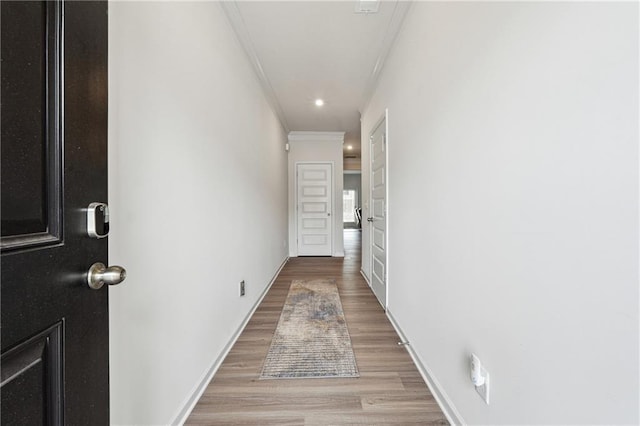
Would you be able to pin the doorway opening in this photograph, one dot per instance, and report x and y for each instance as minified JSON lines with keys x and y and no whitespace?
{"x":352,"y":200}
{"x":349,"y":205}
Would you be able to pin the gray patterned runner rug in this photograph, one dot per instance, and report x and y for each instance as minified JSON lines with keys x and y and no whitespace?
{"x":311,"y":339}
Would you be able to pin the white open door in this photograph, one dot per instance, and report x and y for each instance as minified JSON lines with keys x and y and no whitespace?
{"x":378,"y":218}
{"x":314,"y":197}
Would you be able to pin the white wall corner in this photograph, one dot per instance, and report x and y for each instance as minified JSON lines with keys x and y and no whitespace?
{"x":399,"y":13}
{"x":232,"y":11}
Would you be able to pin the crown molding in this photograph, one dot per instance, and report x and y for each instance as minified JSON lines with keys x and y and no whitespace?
{"x":317,"y":136}
{"x":239,"y":27}
{"x":397,"y":19}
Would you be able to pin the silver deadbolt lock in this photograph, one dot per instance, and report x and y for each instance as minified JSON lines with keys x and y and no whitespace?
{"x":98,"y":220}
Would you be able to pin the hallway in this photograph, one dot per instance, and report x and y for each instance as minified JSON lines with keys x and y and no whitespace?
{"x":390,"y":389}
{"x":512,"y":148}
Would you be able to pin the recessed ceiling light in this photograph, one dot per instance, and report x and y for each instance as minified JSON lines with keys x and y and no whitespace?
{"x":319,"y":102}
{"x":349,"y":147}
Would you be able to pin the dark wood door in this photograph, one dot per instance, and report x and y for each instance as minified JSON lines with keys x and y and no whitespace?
{"x":54,"y":164}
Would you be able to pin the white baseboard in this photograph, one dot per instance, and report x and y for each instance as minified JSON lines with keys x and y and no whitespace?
{"x":445,"y":403}
{"x":199,"y":389}
{"x":365,"y":277}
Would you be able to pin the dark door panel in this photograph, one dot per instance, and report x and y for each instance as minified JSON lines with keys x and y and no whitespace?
{"x":54,"y":164}
{"x":31,"y":123}
{"x":32,"y":381}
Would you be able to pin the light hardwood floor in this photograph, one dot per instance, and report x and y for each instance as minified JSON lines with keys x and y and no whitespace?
{"x":389,"y":390}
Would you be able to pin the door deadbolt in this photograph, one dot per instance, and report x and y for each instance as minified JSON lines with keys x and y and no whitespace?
{"x":98,"y":220}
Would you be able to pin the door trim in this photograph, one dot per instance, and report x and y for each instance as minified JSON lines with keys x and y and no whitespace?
{"x":333,"y":196}
{"x":384,"y":119}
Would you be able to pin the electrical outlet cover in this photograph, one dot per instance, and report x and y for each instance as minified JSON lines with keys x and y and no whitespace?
{"x":483,"y":390}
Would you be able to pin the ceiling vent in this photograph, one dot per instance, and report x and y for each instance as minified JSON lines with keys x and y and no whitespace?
{"x":350,"y":156}
{"x":367,"y":6}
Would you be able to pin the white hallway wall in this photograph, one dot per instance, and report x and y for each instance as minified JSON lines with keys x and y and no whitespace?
{"x":513,"y":181}
{"x":198,"y":191}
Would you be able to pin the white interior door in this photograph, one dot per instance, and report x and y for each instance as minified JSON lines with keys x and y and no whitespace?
{"x":378,"y":213}
{"x":314,"y":203}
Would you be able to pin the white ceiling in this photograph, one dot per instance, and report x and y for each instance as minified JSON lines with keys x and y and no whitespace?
{"x":304,"y":50}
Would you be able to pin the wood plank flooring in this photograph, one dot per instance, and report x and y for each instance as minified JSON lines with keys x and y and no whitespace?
{"x":389,"y":390}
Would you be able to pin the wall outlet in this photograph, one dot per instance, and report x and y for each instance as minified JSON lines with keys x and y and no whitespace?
{"x":242,"y":288}
{"x":480,"y":378}
{"x":483,"y":390}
